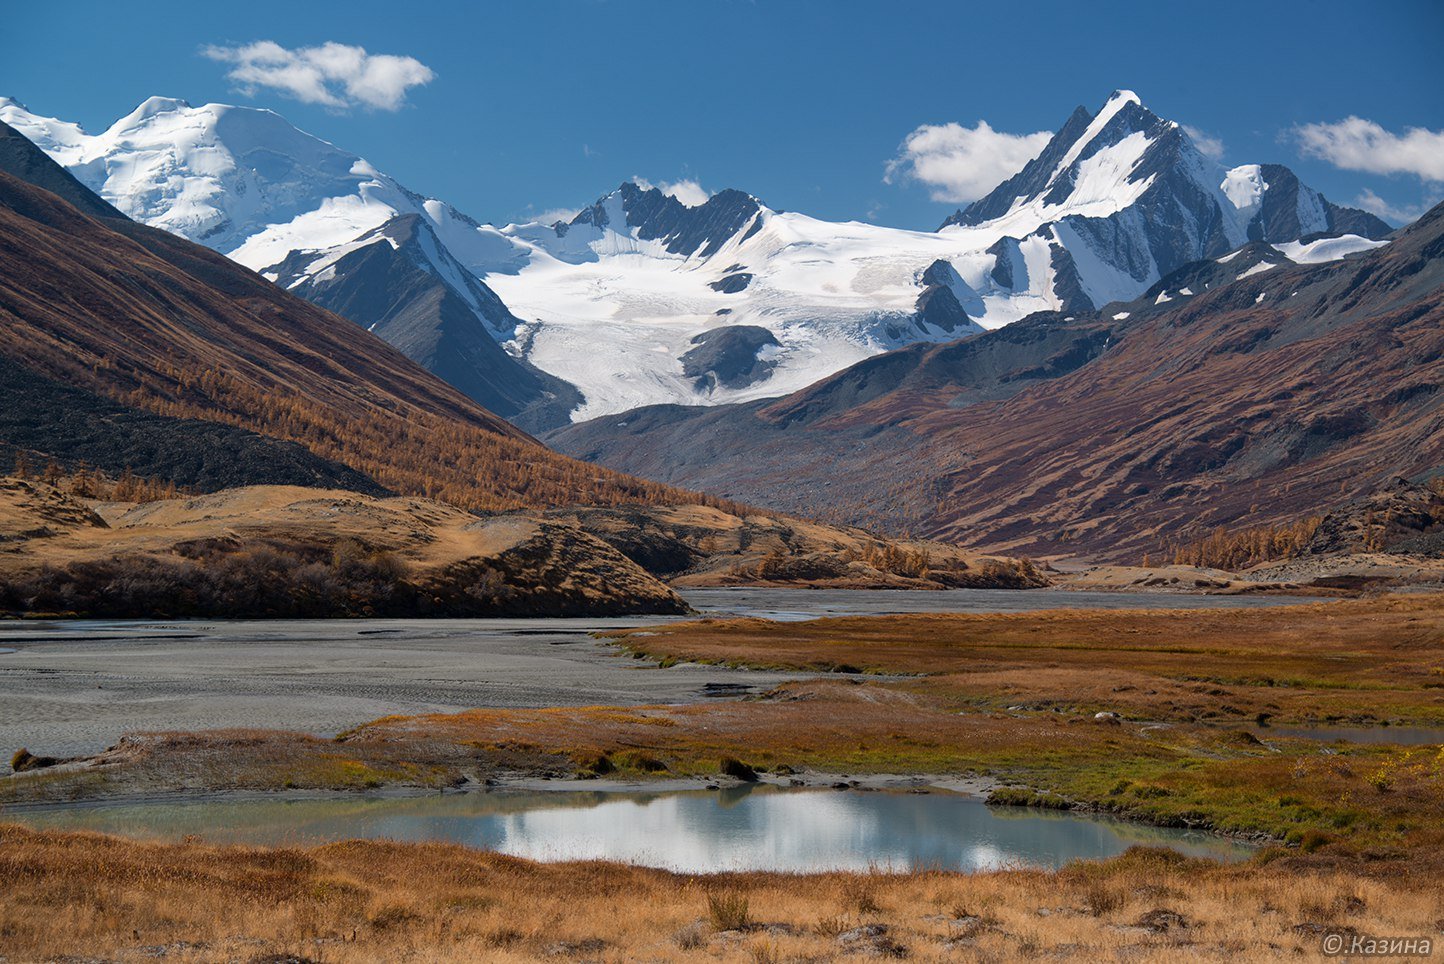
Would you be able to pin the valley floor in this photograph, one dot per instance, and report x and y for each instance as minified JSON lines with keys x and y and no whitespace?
{"x":75,"y":686}
{"x":1176,"y":717}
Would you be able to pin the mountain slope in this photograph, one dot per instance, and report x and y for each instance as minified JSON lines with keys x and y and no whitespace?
{"x":400,"y":283}
{"x":152,"y":321}
{"x":640,"y":297}
{"x":43,"y":421}
{"x":1244,"y":390}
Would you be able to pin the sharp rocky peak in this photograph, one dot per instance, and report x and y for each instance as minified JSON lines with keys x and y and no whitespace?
{"x":683,"y":229}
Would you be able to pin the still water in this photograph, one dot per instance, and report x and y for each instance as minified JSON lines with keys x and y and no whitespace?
{"x":742,"y":828}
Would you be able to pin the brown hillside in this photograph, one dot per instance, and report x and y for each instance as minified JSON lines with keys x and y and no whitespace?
{"x":158,"y":323}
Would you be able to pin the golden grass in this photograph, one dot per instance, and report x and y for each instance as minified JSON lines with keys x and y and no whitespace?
{"x":97,"y":896}
{"x":1366,"y":660}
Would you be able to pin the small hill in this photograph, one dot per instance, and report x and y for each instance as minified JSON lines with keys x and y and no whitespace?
{"x":286,"y":551}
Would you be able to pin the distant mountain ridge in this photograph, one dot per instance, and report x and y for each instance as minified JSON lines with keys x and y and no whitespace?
{"x":615,"y":302}
{"x":1251,"y":389}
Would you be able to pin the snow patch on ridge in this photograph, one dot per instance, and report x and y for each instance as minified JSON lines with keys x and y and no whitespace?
{"x":1326,"y":249}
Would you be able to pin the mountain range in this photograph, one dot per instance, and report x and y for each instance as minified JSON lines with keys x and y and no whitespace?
{"x":292,"y":464}
{"x":641,"y":299}
{"x":1241,"y":391}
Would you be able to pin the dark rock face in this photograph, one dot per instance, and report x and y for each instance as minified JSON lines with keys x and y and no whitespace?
{"x":1067,"y":285}
{"x":1031,"y":180}
{"x":939,"y":305}
{"x":687,"y":231}
{"x":939,"y":308}
{"x":1403,"y":518}
{"x":729,"y":357}
{"x":1278,"y":217}
{"x":1009,"y":268}
{"x":50,"y":421}
{"x":732,"y":283}
{"x":393,"y":287}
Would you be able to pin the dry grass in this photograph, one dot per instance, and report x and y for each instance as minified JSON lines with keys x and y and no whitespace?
{"x":1363,"y":660}
{"x":377,"y":901}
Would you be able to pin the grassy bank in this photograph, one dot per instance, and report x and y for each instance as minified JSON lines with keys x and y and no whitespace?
{"x":376,"y":901}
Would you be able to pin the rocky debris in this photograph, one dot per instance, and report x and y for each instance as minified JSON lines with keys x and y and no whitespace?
{"x":872,"y":940}
{"x":1161,"y":920}
{"x":735,"y":768}
{"x":24,"y":760}
{"x":585,"y":948}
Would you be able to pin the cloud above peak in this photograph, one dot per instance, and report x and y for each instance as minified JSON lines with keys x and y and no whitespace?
{"x":960,"y":164}
{"x":338,"y":76}
{"x":1208,"y":144}
{"x":686,"y":190}
{"x":1357,"y":144}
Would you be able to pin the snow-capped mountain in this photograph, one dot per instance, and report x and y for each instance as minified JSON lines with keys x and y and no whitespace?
{"x":642,"y":299}
{"x":1122,"y":197}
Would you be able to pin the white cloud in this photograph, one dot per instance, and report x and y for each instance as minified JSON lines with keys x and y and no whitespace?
{"x":1356,"y":144}
{"x":334,"y":75}
{"x":1395,"y":214}
{"x":1210,"y":146}
{"x":553,"y":215}
{"x":962,"y":163}
{"x":686,"y":190}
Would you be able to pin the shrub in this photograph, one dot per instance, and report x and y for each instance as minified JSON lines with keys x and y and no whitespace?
{"x":25,"y":760}
{"x":728,"y":911}
{"x":690,"y":938}
{"x":1023,"y":797}
{"x":859,"y":893}
{"x":1101,"y":901}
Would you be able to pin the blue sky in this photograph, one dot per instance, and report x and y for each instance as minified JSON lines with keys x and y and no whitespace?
{"x":546,"y":104}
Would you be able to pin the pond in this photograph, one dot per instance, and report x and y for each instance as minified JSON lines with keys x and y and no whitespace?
{"x":739,"y":828}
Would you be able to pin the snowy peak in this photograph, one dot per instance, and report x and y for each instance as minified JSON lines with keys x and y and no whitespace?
{"x":651,"y":214}
{"x":152,"y":107}
{"x":1100,"y":164}
{"x":1123,"y":197}
{"x":1091,"y":164}
{"x":215,"y":174}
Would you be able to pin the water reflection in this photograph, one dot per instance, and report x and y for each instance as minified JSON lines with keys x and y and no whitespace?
{"x":692,"y":831}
